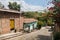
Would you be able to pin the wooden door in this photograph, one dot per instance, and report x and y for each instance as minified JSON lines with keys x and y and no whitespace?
{"x":12,"y":22}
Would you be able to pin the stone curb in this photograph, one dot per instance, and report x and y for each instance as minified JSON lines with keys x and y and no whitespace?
{"x":10,"y":35}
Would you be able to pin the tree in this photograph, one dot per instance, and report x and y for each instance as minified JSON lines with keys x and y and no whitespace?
{"x":57,"y":18}
{"x":14,"y":6}
{"x":1,"y":5}
{"x":56,"y":10}
{"x":57,"y":6}
{"x":31,"y":14}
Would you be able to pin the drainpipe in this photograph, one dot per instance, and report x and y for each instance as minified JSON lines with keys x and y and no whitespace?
{"x":0,"y":28}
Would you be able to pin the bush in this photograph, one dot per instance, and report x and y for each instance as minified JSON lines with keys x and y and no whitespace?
{"x":41,"y":23}
{"x":56,"y":36}
{"x":49,"y":22}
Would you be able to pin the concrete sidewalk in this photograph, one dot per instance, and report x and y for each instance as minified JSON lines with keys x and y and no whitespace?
{"x":10,"y":35}
{"x":42,"y":34}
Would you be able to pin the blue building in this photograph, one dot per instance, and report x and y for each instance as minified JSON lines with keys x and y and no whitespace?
{"x":29,"y":24}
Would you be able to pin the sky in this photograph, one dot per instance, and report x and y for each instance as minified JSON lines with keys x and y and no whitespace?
{"x":38,"y":2}
{"x":30,"y":5}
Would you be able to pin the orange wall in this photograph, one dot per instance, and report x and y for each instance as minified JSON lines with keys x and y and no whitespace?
{"x":5,"y":22}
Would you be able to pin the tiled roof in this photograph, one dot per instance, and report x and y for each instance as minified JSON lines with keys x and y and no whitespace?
{"x":8,"y":10}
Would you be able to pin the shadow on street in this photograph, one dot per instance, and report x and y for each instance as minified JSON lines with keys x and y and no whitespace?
{"x":42,"y":37}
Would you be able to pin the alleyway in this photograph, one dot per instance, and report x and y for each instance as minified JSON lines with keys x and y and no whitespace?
{"x":42,"y":34}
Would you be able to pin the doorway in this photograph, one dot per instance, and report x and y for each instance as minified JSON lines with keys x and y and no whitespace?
{"x":12,"y":25}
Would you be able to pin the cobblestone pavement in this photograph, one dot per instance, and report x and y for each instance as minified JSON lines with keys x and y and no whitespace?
{"x":42,"y":34}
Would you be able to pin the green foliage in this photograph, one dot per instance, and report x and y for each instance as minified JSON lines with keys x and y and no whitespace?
{"x":42,"y":20}
{"x":42,"y":23}
{"x":14,"y":6}
{"x":28,"y":14}
{"x":57,"y":6}
{"x":50,"y":22}
{"x":39,"y":25}
{"x":1,"y":5}
{"x":31,"y":14}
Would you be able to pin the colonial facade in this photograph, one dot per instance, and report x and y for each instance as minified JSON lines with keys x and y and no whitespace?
{"x":10,"y":21}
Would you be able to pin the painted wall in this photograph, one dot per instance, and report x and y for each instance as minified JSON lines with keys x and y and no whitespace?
{"x":5,"y":22}
{"x":21,"y":22}
{"x":32,"y":24}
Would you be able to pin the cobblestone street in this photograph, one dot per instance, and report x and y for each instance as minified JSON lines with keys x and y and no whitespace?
{"x":42,"y":34}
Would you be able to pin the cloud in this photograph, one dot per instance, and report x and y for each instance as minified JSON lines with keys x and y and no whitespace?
{"x":25,"y":6}
{"x":28,"y":7}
